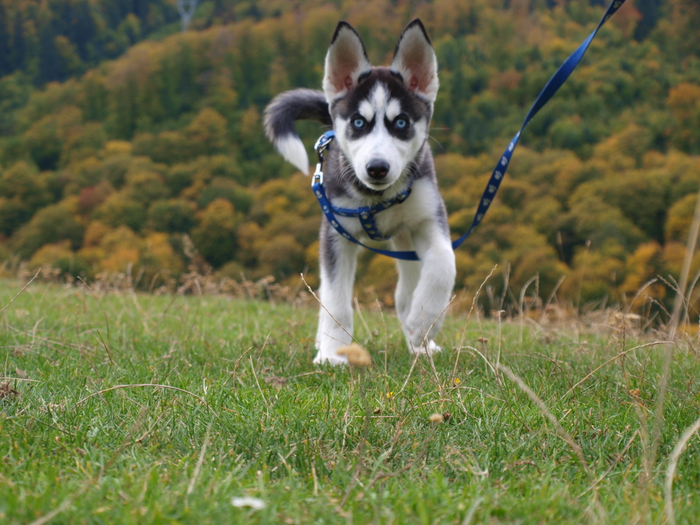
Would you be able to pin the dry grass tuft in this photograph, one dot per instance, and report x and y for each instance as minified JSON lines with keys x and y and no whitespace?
{"x":437,"y":418}
{"x":197,"y":280}
{"x":7,"y":391}
{"x":357,"y":356}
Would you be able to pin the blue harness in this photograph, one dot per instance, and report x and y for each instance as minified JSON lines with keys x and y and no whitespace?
{"x":366,"y":213}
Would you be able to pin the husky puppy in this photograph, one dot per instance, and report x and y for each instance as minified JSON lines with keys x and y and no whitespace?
{"x":381,"y":117}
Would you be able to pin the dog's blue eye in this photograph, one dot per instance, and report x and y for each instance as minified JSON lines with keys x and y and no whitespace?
{"x":400,"y":123}
{"x":358,"y":123}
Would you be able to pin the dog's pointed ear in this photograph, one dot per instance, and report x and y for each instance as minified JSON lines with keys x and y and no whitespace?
{"x":345,"y":61}
{"x":415,"y":59}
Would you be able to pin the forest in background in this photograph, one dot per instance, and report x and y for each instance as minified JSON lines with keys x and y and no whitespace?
{"x":123,"y":138}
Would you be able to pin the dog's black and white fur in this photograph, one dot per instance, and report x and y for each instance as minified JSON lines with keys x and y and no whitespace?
{"x":381,"y":117}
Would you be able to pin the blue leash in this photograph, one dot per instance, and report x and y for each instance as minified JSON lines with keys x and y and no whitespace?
{"x":499,"y":171}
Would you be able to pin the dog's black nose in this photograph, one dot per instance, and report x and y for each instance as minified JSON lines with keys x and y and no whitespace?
{"x":377,"y":169}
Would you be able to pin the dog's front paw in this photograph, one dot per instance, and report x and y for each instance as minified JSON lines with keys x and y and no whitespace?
{"x":330,"y":358}
{"x":431,"y":348}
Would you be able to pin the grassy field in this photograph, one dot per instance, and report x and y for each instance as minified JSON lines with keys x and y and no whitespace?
{"x":125,"y":408}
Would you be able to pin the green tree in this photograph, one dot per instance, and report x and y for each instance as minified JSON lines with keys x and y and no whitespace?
{"x":120,"y":209}
{"x":23,"y":183}
{"x":215,"y":237}
{"x":207,"y":134}
{"x":680,"y":217}
{"x":221,"y":188}
{"x":45,"y":139}
{"x":174,"y":215}
{"x":282,"y":255}
{"x":49,"y":225}
{"x":145,"y":186}
{"x":13,"y":214}
{"x":684,"y":102}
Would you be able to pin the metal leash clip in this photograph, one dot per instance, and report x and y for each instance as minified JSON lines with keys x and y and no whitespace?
{"x":321,"y":145}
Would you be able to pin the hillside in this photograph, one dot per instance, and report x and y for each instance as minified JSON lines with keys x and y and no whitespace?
{"x":109,"y":168}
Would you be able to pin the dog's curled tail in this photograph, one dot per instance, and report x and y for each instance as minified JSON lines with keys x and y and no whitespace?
{"x":280,"y":114}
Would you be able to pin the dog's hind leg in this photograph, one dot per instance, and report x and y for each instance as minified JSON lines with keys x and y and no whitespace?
{"x":338,"y":264}
{"x":409,"y":274}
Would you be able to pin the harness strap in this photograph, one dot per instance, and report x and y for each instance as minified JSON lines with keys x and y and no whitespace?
{"x":320,"y":193}
{"x":366,"y":213}
{"x":498,"y":173}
